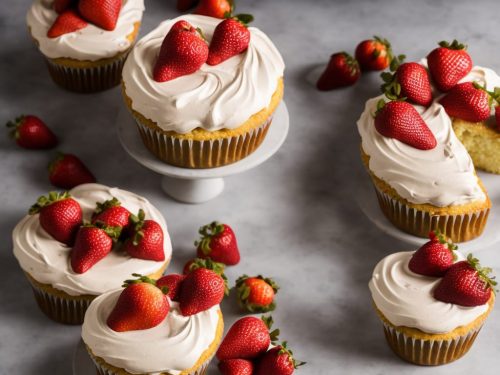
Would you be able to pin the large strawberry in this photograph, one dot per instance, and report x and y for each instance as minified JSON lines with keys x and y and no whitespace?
{"x":466,"y":284}
{"x":398,"y":119}
{"x":236,"y":367}
{"x":435,"y":257}
{"x":31,"y":132}
{"x":67,"y":22}
{"x":342,"y":70}
{"x":182,"y":52}
{"x":111,"y":213}
{"x":67,"y":171}
{"x":278,"y":361}
{"x":374,"y":54}
{"x":218,"y":242}
{"x":467,"y":101}
{"x":173,"y":282}
{"x":147,"y":239}
{"x":214,"y":8}
{"x":256,"y":294}
{"x":102,"y":13}
{"x":60,"y":216}
{"x":141,"y":305}
{"x":448,"y":64}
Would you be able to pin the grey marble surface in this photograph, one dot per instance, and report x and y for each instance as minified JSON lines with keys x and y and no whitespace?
{"x":296,"y":216}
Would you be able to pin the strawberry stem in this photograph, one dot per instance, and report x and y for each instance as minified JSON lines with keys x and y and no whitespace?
{"x":103,"y":206}
{"x":144,"y":279}
{"x":483,"y":272}
{"x":455,"y":45}
{"x":45,"y":201}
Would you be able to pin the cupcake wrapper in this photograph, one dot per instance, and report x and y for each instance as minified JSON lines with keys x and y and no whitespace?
{"x":459,"y":228}
{"x":202,"y":154}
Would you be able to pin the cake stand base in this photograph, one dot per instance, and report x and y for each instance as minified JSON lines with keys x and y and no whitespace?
{"x":192,"y":191}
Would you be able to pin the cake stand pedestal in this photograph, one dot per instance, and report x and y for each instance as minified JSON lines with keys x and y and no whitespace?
{"x":199,"y":185}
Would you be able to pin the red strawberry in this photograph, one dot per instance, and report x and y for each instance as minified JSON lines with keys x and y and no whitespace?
{"x":67,"y":171}
{"x":207,"y":263}
{"x":236,"y":367}
{"x":173,"y":283}
{"x":467,"y":101}
{"x":182,"y":52}
{"x":218,"y":243}
{"x":256,"y":294}
{"x":183,"y":5}
{"x":248,"y":338}
{"x":67,"y":22}
{"x":214,"y":8}
{"x":374,"y":54}
{"x":187,"y":267}
{"x":141,"y":305}
{"x":111,"y":213}
{"x":31,"y":132}
{"x":147,"y":239}
{"x":102,"y":13}
{"x":466,"y":284}
{"x":60,"y":216}
{"x":448,"y":64}
{"x":398,"y":119}
{"x":61,"y":5}
{"x":278,"y":361}
{"x":435,"y":257}
{"x":497,"y":116}
{"x":342,"y":70}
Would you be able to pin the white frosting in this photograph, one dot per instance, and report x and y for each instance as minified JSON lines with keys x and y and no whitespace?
{"x":406,"y":298}
{"x":174,"y":345}
{"x":90,"y":43}
{"x":214,"y":97}
{"x":48,"y":261}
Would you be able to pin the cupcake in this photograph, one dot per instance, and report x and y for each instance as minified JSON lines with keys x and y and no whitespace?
{"x":88,"y":56}
{"x":75,"y":246}
{"x":213,"y":116}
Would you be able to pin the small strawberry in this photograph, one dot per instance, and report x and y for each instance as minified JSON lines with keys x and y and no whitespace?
{"x":102,"y":13}
{"x":342,"y":70}
{"x":60,"y":216}
{"x":448,"y":64}
{"x":248,"y":338}
{"x":111,"y":213}
{"x":183,"y":5}
{"x":141,"y":305}
{"x":278,"y":361}
{"x":236,"y":367}
{"x":31,"y":132}
{"x":214,"y":8}
{"x":173,"y":282}
{"x":147,"y":239}
{"x":374,"y":54}
{"x":67,"y":22}
{"x":467,"y":101}
{"x":256,"y":294}
{"x":182,"y":52}
{"x":466,"y":284}
{"x":218,"y":242}
{"x":398,"y":119}
{"x":435,"y":257}
{"x":67,"y":171}
{"x":61,"y":5}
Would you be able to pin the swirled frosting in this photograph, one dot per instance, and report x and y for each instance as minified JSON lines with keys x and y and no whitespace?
{"x":174,"y":345}
{"x":214,"y":97}
{"x":48,"y":260}
{"x":406,"y":298}
{"x":90,"y":43}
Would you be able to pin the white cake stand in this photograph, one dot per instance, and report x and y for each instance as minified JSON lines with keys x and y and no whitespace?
{"x":199,"y":185}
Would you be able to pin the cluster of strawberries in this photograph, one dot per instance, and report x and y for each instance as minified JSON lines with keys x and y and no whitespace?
{"x":111,"y":224}
{"x":463,"y":283}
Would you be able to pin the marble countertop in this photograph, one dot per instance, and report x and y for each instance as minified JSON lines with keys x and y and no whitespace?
{"x":296,"y":216}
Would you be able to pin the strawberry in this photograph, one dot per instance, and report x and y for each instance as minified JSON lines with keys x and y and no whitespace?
{"x":187,"y":267}
{"x":183,"y":5}
{"x":236,"y":367}
{"x":214,"y":8}
{"x":61,"y":5}
{"x":67,"y":171}
{"x":342,"y":70}
{"x":218,"y":243}
{"x":147,"y":239}
{"x":141,"y":305}
{"x":248,"y":338}
{"x":60,"y":216}
{"x":497,"y":116}
{"x":102,"y":13}
{"x":182,"y":52}
{"x":448,"y":64}
{"x":466,"y":284}
{"x":111,"y":213}
{"x":173,"y":282}
{"x":467,"y":101}
{"x":67,"y":22}
{"x":256,"y":294}
{"x":435,"y":257}
{"x":231,"y":37}
{"x":398,"y":119}
{"x":374,"y":54}
{"x":278,"y":361}
{"x":31,"y":132}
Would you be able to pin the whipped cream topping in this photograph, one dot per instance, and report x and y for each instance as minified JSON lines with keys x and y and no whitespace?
{"x":173,"y":346}
{"x":406,"y":298}
{"x":90,"y":43}
{"x":214,"y":97}
{"x":48,"y":260}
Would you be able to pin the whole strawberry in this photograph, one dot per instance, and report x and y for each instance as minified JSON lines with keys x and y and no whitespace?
{"x":146,"y":241}
{"x":342,"y":70}
{"x":214,"y":8}
{"x":467,"y":101}
{"x":141,"y":305}
{"x":435,"y":257}
{"x":182,"y":52}
{"x":448,"y":64}
{"x":466,"y":284}
{"x":183,"y":5}
{"x":32,"y":133}
{"x":67,"y":171}
{"x":102,"y":13}
{"x":236,"y":367}
{"x":218,"y":242}
{"x":256,"y":294}
{"x":173,"y":282}
{"x":61,"y":5}
{"x":60,"y":216}
{"x":67,"y":22}
{"x":374,"y":54}
{"x":278,"y":361}
{"x":111,"y":213}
